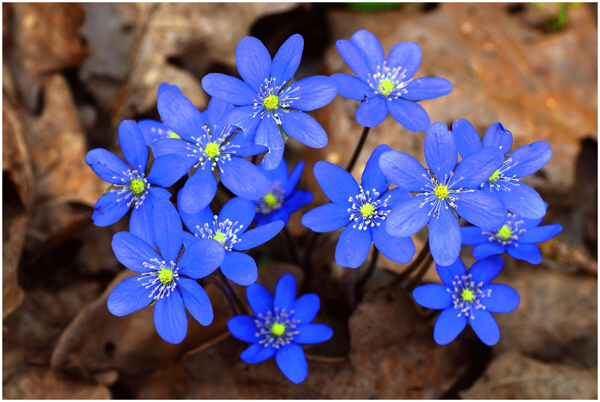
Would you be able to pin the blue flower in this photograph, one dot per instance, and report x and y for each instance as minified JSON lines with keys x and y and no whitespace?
{"x":165,"y":279}
{"x":229,"y":230}
{"x":504,"y":183}
{"x":206,"y":144}
{"x":282,"y":199}
{"x":361,"y":210}
{"x":268,"y":107}
{"x":441,"y":190}
{"x":386,"y":85}
{"x":281,"y":324}
{"x":516,"y":237}
{"x":468,"y":297}
{"x":132,"y":185}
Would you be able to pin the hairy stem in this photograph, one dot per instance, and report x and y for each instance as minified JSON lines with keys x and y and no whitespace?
{"x":359,"y":146}
{"x":370,"y":269}
{"x":291,"y":246}
{"x":412,"y":267}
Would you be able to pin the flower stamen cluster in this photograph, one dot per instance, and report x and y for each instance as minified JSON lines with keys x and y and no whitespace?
{"x":438,"y":193}
{"x":498,"y":181}
{"x":508,"y":232}
{"x":221,"y":232}
{"x":367,"y":210}
{"x":134,"y":185}
{"x":388,"y":82}
{"x":271,"y":99}
{"x":272,"y":201}
{"x":276,"y":328}
{"x":163,"y":278}
{"x":467,"y":295}
{"x":212,"y":150}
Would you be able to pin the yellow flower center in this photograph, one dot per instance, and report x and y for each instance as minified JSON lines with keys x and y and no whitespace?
{"x":504,"y":233}
{"x":467,"y":295}
{"x":220,"y":237}
{"x":385,"y":86}
{"x":271,"y":102}
{"x":494,"y":176}
{"x":172,"y":135}
{"x":367,"y":210}
{"x":270,"y":200}
{"x":441,"y":191}
{"x":137,"y":186}
{"x":212,"y":149}
{"x":166,"y":276}
{"x":278,"y":329}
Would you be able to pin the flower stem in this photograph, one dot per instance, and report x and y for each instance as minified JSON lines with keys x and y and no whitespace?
{"x":226,"y":293}
{"x":420,"y":273}
{"x":290,"y":245}
{"x":412,"y":267}
{"x":370,"y":269}
{"x":359,"y":146}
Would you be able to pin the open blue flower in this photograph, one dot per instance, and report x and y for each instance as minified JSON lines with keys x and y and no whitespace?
{"x":441,"y":190}
{"x":504,"y":183}
{"x":516,"y":237}
{"x":280,"y":325}
{"x":206,"y":144}
{"x":270,"y":106}
{"x":386,"y":85}
{"x":282,"y":199}
{"x":132,"y":185}
{"x":229,"y":230}
{"x":165,"y":279}
{"x":361,"y":210}
{"x":468,"y":297}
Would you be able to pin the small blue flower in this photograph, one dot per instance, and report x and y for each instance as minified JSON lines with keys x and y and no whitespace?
{"x":362,"y":210}
{"x":229,"y":230}
{"x":516,"y":237}
{"x":280,"y":325}
{"x":386,"y":85}
{"x":206,"y":144}
{"x":468,"y":297}
{"x":269,"y":104}
{"x":132,"y":185}
{"x":165,"y":279}
{"x":504,"y":183}
{"x":282,"y":199}
{"x":442,"y":189}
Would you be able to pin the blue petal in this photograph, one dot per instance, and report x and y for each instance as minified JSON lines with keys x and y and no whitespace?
{"x":433,"y":296}
{"x":472,"y":235}
{"x":268,"y":135}
{"x":404,"y":171}
{"x":198,"y":191}
{"x":215,"y":111}
{"x":255,"y":237}
{"x":292,"y":362}
{"x":228,"y":89}
{"x":257,"y":353}
{"x":285,"y":293}
{"x":396,"y":196}
{"x":245,"y":118}
{"x":313,"y":93}
{"x":467,"y":139}
{"x":132,"y":251}
{"x":306,"y":308}
{"x":173,"y":146}
{"x":259,"y":299}
{"x":193,"y":221}
{"x":407,"y":218}
{"x":372,"y":177}
{"x":351,"y":87}
{"x":168,"y":232}
{"x":188,"y":239}
{"x":239,"y":268}
{"x":427,"y":88}
{"x":448,"y":326}
{"x":480,"y":209}
{"x":407,"y":56}
{"x":528,"y":159}
{"x":243,"y":178}
{"x":180,"y":114}
{"x":487,"y":249}
{"x":279,"y":174}
{"x":484,"y":271}
{"x":303,"y":128}
{"x":525,"y":251}
{"x":397,"y":249}
{"x":133,"y":145}
{"x":166,"y":86}
{"x":337,"y":184}
{"x":354,"y":58}
{"x":313,"y":333}
{"x":326,"y":218}
{"x":372,"y":112}
{"x":140,"y":223}
{"x":485,"y":327}
{"x":498,"y":137}
{"x":280,"y":215}
{"x":243,"y":328}
{"x":503,"y":299}
{"x":370,"y":47}
{"x":410,"y":115}
{"x":253,"y":62}
{"x":167,"y":169}
{"x":108,"y":209}
{"x":170,"y":319}
{"x":540,"y":234}
{"x":201,"y":258}
{"x":288,"y":184}
{"x":108,"y":166}
{"x":246,"y":145}
{"x":523,"y":201}
{"x":352,"y":247}
{"x":297,"y":200}
{"x":238,"y":210}
{"x":440,"y":151}
{"x":129,"y":296}
{"x":444,"y":237}
{"x":476,"y":169}
{"x":287,"y":59}
{"x":448,"y":273}
{"x":196,"y":301}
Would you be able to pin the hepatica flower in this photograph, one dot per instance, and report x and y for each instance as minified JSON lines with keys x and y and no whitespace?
{"x":504,"y":183}
{"x":279,"y":326}
{"x":283,"y":198}
{"x":229,"y":230}
{"x":468,"y":297}
{"x":386,"y":85}
{"x":362,"y":210}
{"x":442,"y":190}
{"x":131,"y":184}
{"x":166,"y":279}
{"x":516,"y":237}
{"x":270,"y":105}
